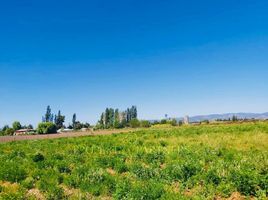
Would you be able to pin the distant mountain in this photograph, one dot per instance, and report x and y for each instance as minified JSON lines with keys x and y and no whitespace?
{"x":225,"y":116}
{"x":229,"y":115}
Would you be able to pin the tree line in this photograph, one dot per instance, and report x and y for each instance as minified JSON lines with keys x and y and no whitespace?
{"x":110,"y":118}
{"x":113,"y":118}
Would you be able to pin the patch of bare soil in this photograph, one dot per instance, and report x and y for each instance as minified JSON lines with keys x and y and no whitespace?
{"x":35,"y":193}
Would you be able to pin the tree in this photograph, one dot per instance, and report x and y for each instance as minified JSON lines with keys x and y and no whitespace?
{"x":30,"y":126}
{"x":6,"y":130}
{"x":46,"y":128}
{"x":116,"y":116}
{"x":234,"y":118}
{"x":128,"y":115}
{"x":48,"y":116}
{"x":133,"y":113}
{"x":111,"y":118}
{"x":59,"y":120}
{"x":74,"y":119}
{"x":9,"y":131}
{"x":16,"y":126}
{"x":86,"y":125}
{"x":106,"y":117}
{"x":101,"y":122}
{"x":78,"y":125}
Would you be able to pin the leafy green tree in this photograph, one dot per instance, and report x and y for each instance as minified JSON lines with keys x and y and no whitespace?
{"x":116,"y":116}
{"x":6,"y":130}
{"x":16,"y":125}
{"x":128,"y":112}
{"x":101,"y":122}
{"x":48,"y":116}
{"x":234,"y":118}
{"x":74,"y":119}
{"x":46,"y":128}
{"x":111,"y":118}
{"x":59,"y":120}
{"x":133,"y":113}
{"x":106,"y":117}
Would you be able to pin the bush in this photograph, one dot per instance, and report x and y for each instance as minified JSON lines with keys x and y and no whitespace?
{"x":46,"y":128}
{"x":173,"y":122}
{"x":9,"y":131}
{"x":145,"y":124}
{"x":134,"y":123}
{"x":38,"y":157}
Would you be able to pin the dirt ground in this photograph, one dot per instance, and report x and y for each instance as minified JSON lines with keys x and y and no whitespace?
{"x":4,"y":139}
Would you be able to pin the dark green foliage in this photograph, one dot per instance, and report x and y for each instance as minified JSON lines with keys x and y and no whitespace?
{"x":48,"y":116}
{"x":213,"y":177}
{"x":247,"y":182}
{"x":38,"y":157}
{"x":74,"y":119}
{"x":59,"y":120}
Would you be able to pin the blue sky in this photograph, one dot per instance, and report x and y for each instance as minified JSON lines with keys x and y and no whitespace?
{"x":176,"y":57}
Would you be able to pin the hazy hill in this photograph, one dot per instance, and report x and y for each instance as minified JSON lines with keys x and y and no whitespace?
{"x":230,"y":115}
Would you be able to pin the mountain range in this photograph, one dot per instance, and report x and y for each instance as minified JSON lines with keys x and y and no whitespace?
{"x":229,"y":115}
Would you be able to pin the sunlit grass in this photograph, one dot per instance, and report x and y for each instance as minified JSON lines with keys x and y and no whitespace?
{"x":199,"y":162}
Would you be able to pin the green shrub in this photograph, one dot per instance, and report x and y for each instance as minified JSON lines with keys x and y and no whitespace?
{"x":46,"y":128}
{"x":134,"y":123}
{"x":9,"y":131}
{"x":38,"y":157}
{"x":145,"y":124}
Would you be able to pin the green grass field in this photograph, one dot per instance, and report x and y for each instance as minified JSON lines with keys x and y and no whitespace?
{"x":198,"y":162}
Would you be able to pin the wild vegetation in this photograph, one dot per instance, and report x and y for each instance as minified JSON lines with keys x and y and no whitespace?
{"x":188,"y":162}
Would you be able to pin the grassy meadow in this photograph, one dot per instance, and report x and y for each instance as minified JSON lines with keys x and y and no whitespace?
{"x":194,"y":162}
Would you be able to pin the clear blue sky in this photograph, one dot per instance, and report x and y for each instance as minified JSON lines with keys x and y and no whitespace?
{"x":175,"y":56}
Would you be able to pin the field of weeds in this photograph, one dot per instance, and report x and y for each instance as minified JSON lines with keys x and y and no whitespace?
{"x":195,"y":162}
